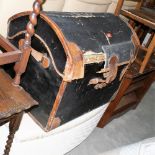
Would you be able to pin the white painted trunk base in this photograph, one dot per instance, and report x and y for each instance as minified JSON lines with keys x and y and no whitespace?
{"x":32,"y":140}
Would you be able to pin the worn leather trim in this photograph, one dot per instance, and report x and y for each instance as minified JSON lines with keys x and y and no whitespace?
{"x":71,"y":72}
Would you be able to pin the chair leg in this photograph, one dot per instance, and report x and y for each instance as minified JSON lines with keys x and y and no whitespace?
{"x":113,"y":105}
{"x":13,"y":127}
{"x":148,"y":54}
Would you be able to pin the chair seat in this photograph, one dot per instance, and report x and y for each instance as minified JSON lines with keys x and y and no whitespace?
{"x":143,"y":15}
{"x":12,"y":99}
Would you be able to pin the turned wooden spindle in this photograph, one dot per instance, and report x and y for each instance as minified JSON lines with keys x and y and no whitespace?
{"x":13,"y":127}
{"x":9,"y":143}
{"x":25,"y":44}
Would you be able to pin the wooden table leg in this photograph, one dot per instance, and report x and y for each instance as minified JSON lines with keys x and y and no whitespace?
{"x":13,"y":127}
{"x":109,"y":111}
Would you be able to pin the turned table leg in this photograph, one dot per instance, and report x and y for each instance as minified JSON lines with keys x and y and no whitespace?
{"x":13,"y":127}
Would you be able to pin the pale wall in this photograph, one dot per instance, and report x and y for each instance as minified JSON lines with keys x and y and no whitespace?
{"x":11,"y":7}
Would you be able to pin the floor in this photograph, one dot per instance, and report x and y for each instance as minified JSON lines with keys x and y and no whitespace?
{"x":132,"y":127}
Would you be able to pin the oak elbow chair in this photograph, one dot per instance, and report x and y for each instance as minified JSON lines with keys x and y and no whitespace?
{"x":13,"y":99}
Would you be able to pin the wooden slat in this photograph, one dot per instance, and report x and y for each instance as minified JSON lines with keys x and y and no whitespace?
{"x":144,"y":13}
{"x":146,"y":20}
{"x":10,"y":57}
{"x":13,"y":99}
{"x":4,"y":43}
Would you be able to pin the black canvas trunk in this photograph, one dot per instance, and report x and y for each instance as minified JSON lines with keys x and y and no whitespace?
{"x":87,"y":55}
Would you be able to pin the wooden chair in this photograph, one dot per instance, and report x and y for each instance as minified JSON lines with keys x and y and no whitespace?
{"x":133,"y":88}
{"x":13,"y":102}
{"x":145,"y":17}
{"x":13,"y":99}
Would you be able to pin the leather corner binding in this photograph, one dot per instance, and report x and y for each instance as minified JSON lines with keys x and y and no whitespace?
{"x":75,"y":66}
